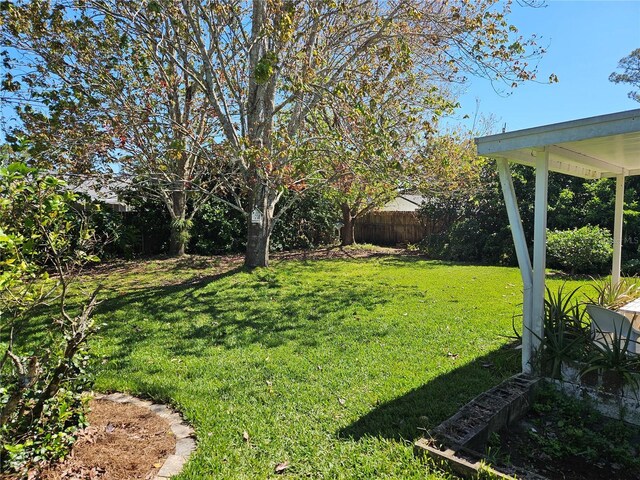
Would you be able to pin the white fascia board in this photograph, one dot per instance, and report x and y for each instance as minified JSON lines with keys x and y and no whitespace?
{"x":581,"y":159}
{"x":555,"y":165}
{"x":557,"y":133}
{"x":627,"y":173}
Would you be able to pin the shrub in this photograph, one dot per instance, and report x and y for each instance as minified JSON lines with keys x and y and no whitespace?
{"x":308,"y":223}
{"x":217,"y":228}
{"x":41,"y":381}
{"x":469,"y":224}
{"x":143,"y":231}
{"x":631,"y":267}
{"x":581,"y":250}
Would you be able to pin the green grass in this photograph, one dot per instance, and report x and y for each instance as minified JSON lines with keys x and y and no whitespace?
{"x":334,"y":366}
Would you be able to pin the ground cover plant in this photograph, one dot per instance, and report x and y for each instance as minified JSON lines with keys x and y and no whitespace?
{"x":565,"y":438}
{"x":329,"y":367}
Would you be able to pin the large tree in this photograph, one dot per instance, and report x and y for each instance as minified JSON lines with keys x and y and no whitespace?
{"x":630,"y":66}
{"x":268,"y":66}
{"x":83,"y":79}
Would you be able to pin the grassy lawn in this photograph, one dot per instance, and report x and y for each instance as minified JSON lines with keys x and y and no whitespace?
{"x":331,"y":365}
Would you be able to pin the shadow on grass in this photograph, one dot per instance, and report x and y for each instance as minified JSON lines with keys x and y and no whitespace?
{"x":234,"y":308}
{"x":409,"y":417}
{"x":411,"y":258}
{"x":233,"y":311}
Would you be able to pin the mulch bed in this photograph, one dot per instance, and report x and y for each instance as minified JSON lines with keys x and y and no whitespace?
{"x":122,"y":442}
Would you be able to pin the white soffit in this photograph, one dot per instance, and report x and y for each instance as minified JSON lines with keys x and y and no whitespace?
{"x":594,"y":147}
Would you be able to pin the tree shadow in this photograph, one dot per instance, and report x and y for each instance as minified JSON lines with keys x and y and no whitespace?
{"x":409,"y":417}
{"x":411,"y":258}
{"x":261,"y":307}
{"x":198,"y":262}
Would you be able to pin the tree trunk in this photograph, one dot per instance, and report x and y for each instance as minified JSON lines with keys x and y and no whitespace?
{"x":347,"y":235}
{"x":180,"y":226}
{"x":257,"y":254}
{"x":259,"y":227}
{"x":177,"y":245}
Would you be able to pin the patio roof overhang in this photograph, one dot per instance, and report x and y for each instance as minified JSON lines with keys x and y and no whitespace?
{"x":595,"y":147}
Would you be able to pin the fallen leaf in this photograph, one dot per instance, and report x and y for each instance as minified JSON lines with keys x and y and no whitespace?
{"x":245,"y":436}
{"x":157,"y":465}
{"x":269,"y":383}
{"x":281,"y":467}
{"x":341,"y":401}
{"x":96,"y":472}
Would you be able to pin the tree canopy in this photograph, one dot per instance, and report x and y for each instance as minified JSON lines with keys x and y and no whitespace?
{"x":267,"y":72}
{"x":630,"y":66}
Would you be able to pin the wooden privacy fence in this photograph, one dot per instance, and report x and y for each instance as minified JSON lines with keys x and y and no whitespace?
{"x":390,"y":228}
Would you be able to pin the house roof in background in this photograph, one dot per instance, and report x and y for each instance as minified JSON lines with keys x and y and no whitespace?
{"x":98,"y":189}
{"x":594,"y":147}
{"x":404,"y":203}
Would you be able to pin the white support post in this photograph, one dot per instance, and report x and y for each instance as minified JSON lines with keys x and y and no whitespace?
{"x":617,"y":231}
{"x":524,"y":261}
{"x":539,"y":251}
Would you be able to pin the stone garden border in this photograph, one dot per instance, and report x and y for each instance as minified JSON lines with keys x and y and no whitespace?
{"x":185,"y":442}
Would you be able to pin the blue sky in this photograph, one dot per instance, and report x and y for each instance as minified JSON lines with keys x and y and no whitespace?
{"x":585,"y":39}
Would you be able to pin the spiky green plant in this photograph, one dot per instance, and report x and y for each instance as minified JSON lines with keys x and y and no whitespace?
{"x":613,"y":296}
{"x":611,"y":353}
{"x":566,"y":331}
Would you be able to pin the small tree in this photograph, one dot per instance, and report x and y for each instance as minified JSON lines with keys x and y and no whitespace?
{"x":76,"y":75}
{"x":371,"y":133}
{"x":43,"y":242}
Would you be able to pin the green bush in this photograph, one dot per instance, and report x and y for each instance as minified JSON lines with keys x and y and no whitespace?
{"x":581,"y":250}
{"x":41,"y":380}
{"x":471,"y":224}
{"x":631,"y":268}
{"x":217,"y":229}
{"x":308,"y":223}
{"x":469,"y":227}
{"x":143,"y":231}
